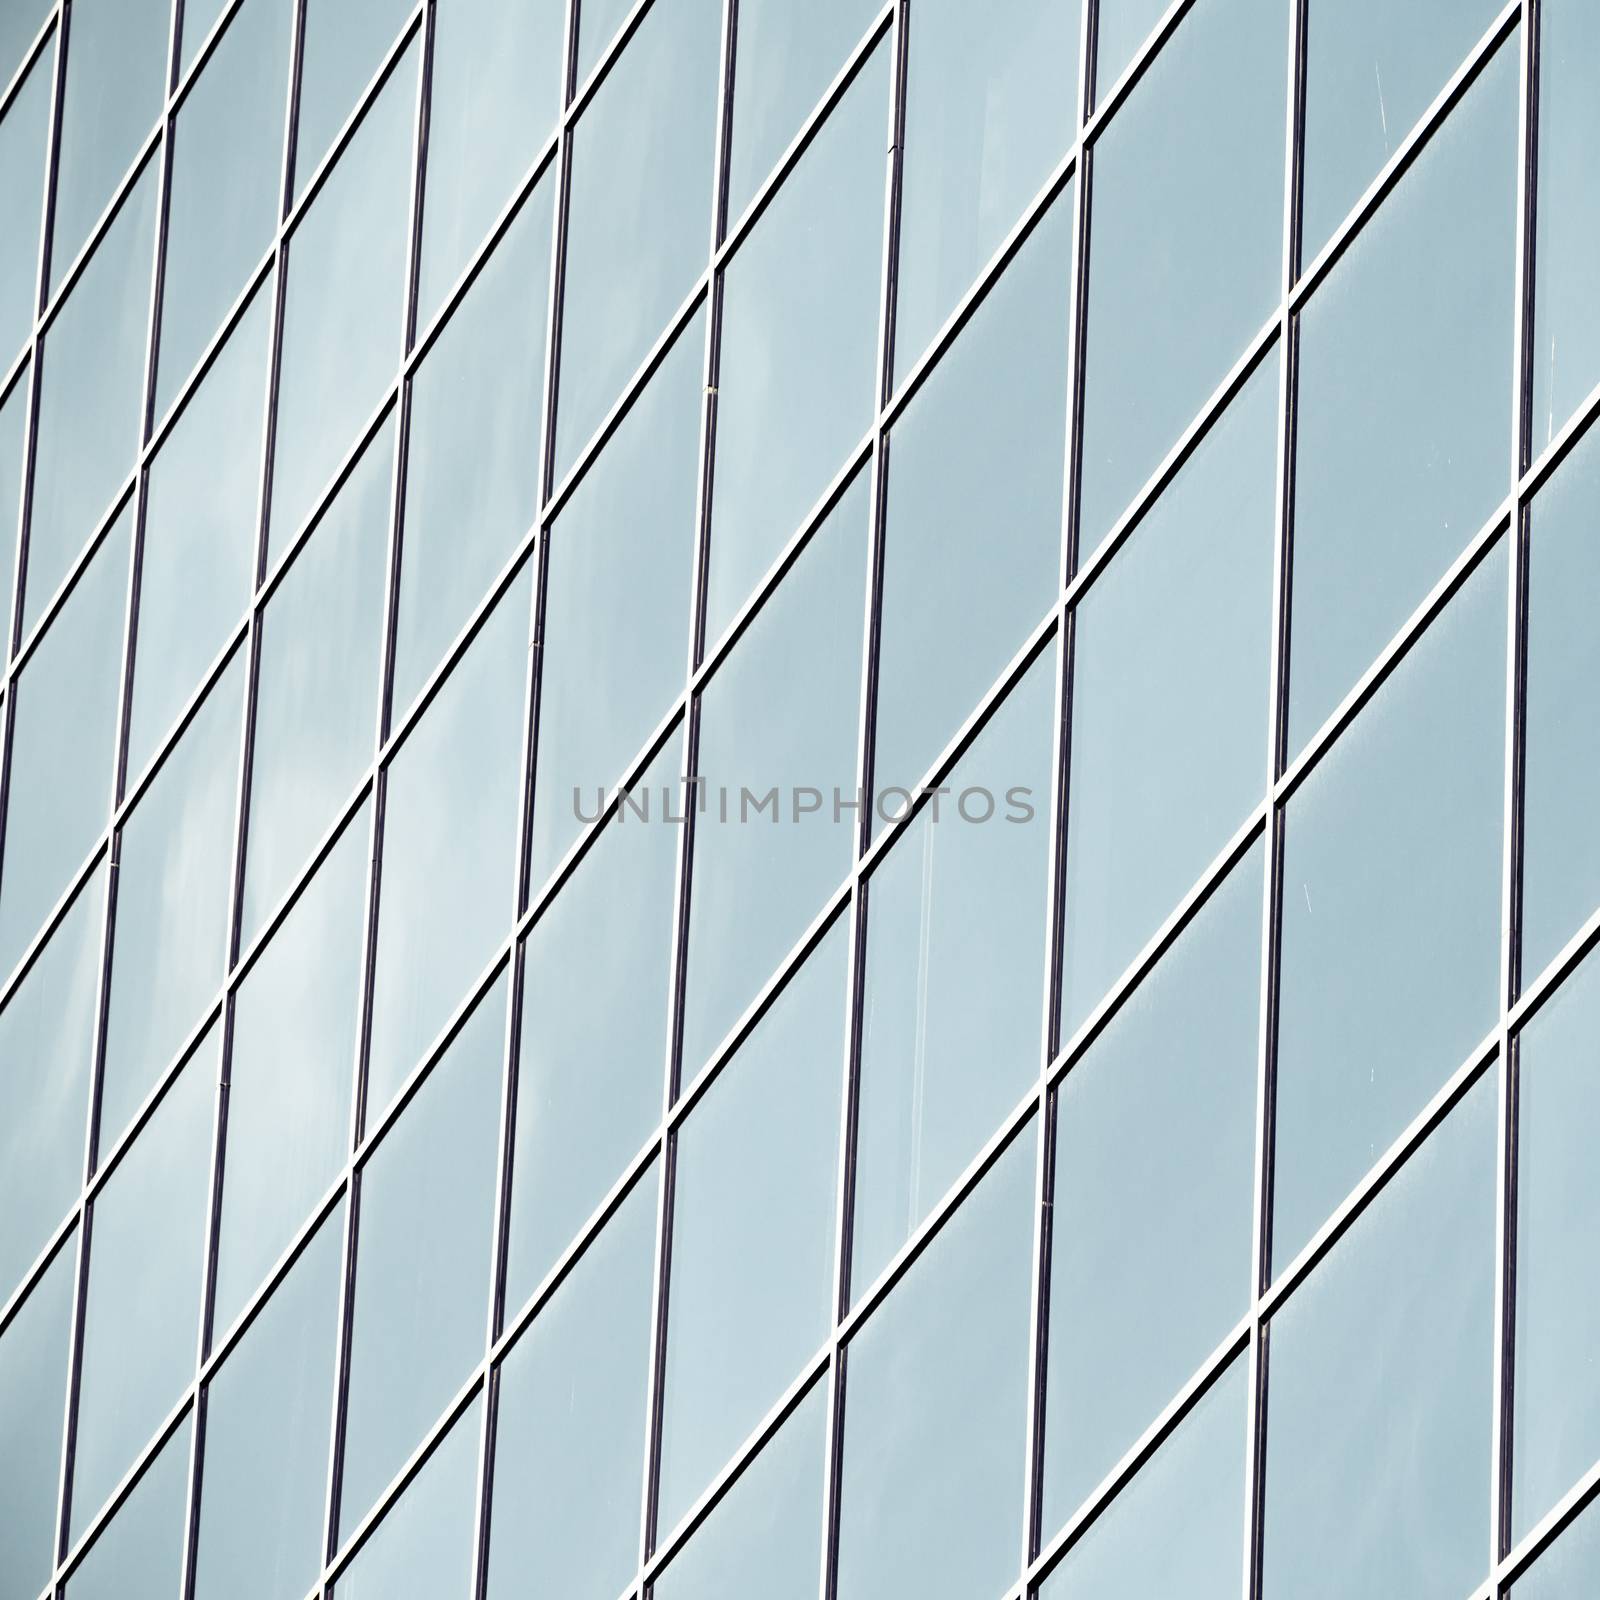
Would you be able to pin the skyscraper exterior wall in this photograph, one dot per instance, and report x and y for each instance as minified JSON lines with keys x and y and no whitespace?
{"x":799,"y":798}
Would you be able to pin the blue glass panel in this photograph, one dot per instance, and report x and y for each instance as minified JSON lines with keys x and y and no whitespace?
{"x":139,"y":1554}
{"x":343,"y":46}
{"x":23,"y":135}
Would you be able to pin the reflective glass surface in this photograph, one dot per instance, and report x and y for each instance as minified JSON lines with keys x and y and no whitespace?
{"x":930,"y":1495}
{"x":1391,"y":909}
{"x":343,"y":46}
{"x":139,"y":1555}
{"x":1185,"y":243}
{"x":1570,"y":1566}
{"x":13,"y":438}
{"x":24,"y":132}
{"x":640,"y":216}
{"x":19,"y":23}
{"x":1379,"y":1386}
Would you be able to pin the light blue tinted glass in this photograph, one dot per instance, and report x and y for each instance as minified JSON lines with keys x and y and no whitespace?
{"x":199,"y":18}
{"x":294,"y":1043}
{"x":1380,"y":1387}
{"x":472,"y":480}
{"x":116,"y":78}
{"x":46,"y":1049}
{"x":765,"y":1535}
{"x":1121,"y":27}
{"x":317,"y":695}
{"x":22,"y":167}
{"x":197,"y":565}
{"x":598,"y":21}
{"x":90,"y":388}
{"x":422,"y":1550}
{"x":1561,"y":787}
{"x":1566,"y":326}
{"x":1557,"y":1391}
{"x":990,"y":110}
{"x":569,"y":1451}
{"x":344,"y":45}
{"x":343,"y":304}
{"x":268,"y":1412}
{"x":33,"y":1392}
{"x":19,"y":25}
{"x":752,"y":1230}
{"x":227,"y":164}
{"x":799,"y":344}
{"x":955,"y":974}
{"x":1570,"y":1567}
{"x":450,"y":846}
{"x":422,"y":1267}
{"x":787,"y":56}
{"x":972,"y":546}
{"x":1391,"y":910}
{"x":1171,"y":669}
{"x":146,"y":1262}
{"x":769,"y":733}
{"x":170,"y":941}
{"x":1178,"y":1527}
{"x":1154,"y":1190}
{"x":593,"y":1056}
{"x":640,"y":214}
{"x":935,"y":1409}
{"x":616,"y":637}
{"x":64,"y":744}
{"x":1185,"y":243}
{"x":13,"y":426}
{"x":1403,"y":429}
{"x":139,"y":1554}
{"x":495,"y":92}
{"x":1372,"y":69}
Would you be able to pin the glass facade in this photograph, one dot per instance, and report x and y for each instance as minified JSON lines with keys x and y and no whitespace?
{"x":799,"y":798}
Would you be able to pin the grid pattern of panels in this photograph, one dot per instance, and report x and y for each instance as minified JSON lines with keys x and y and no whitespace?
{"x":1153,"y":993}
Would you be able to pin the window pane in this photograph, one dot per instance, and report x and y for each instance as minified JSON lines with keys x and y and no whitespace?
{"x":752,"y":1232}
{"x":1372,"y":69}
{"x":931,"y":1493}
{"x":616,"y":635}
{"x":422,"y":1550}
{"x":317,"y":694}
{"x":1571,"y":1566}
{"x":787,"y":56}
{"x":64,"y":744}
{"x":13,"y":426}
{"x":1561,"y":786}
{"x":1557,"y":1392}
{"x":1121,"y":27}
{"x":33,"y":1393}
{"x":90,"y":392}
{"x":199,"y":18}
{"x":1172,"y":666}
{"x":46,"y":1051}
{"x":593,"y":1056}
{"x":495,"y":95}
{"x":116,"y":80}
{"x":598,"y":21}
{"x":268,"y":1409}
{"x":1185,"y":242}
{"x":979,"y":448}
{"x":22,"y":167}
{"x":198,"y":564}
{"x":343,"y":46}
{"x":954,"y":974}
{"x":1178,"y":1528}
{"x":1391,"y":910}
{"x":569,"y":1452}
{"x":768,"y":731}
{"x":640,"y":214}
{"x":1154,"y":1195}
{"x":226,"y":169}
{"x":294,"y":1048}
{"x":472,"y":484}
{"x":765,"y":1535}
{"x":1403,"y":427}
{"x":19,"y":25}
{"x":146,"y":1263}
{"x":139,"y":1555}
{"x":1380,"y":1386}
{"x":799,"y":344}
{"x":990,"y":110}
{"x":344,"y":301}
{"x":452,"y":799}
{"x":422,"y":1269}
{"x":170,"y":944}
